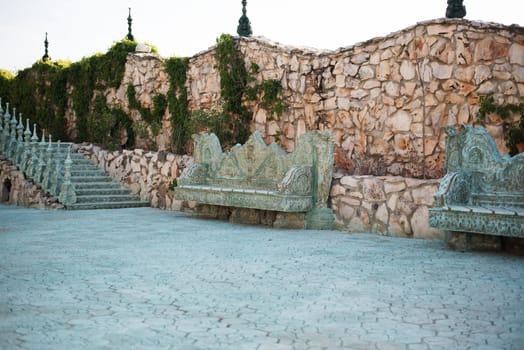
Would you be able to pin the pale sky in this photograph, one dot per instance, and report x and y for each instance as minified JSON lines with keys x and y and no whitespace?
{"x":81,"y":28}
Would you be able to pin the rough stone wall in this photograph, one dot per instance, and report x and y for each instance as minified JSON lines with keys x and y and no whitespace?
{"x":16,"y":189}
{"x":148,"y":174}
{"x":386,"y":100}
{"x":389,"y":205}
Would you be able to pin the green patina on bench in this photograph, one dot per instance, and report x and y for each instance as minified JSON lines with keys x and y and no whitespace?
{"x":258,"y":176}
{"x":483,"y":191}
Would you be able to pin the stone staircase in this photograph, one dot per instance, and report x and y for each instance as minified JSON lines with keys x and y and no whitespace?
{"x":96,"y":190}
{"x":59,"y":170}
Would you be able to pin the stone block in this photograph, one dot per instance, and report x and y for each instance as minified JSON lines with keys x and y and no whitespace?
{"x":382,"y":214}
{"x":441,"y":71}
{"x":350,"y":181}
{"x":400,"y":121}
{"x":420,"y":225}
{"x":394,"y":186}
{"x":516,"y":54}
{"x":372,"y":190}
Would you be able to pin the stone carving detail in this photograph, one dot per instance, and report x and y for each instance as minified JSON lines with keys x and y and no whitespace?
{"x":483,"y":192}
{"x":258,"y":176}
{"x":297,"y":180}
{"x":195,"y":174}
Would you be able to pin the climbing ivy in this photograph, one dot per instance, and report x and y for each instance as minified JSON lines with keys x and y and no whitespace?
{"x":177,"y":102}
{"x":153,"y":117}
{"x":6,"y":79}
{"x":41,"y":92}
{"x":234,"y":85}
{"x":513,"y":130}
{"x":106,"y":124}
{"x":233,"y":82}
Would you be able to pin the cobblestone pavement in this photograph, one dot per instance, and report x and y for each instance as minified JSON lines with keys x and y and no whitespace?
{"x":150,"y":279}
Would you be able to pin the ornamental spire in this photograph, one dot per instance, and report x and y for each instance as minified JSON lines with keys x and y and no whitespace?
{"x":244,"y":26}
{"x":129,"y":21}
{"x":455,"y":9}
{"x":46,"y":57}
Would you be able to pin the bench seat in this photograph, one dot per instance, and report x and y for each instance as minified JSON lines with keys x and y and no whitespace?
{"x":263,"y":177}
{"x":482,"y":192}
{"x":245,"y":198}
{"x":508,"y":222}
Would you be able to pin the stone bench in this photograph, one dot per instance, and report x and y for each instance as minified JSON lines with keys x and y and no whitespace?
{"x":482,"y":192}
{"x":261,"y":177}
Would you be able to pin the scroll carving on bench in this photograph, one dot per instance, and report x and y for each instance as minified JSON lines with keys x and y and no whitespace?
{"x":263,"y":177}
{"x":483,"y":191}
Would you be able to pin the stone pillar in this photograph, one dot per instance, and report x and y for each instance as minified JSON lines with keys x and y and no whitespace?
{"x":48,"y":172}
{"x":39,"y":170}
{"x":26,"y":155}
{"x":56,"y":177}
{"x":1,"y":126}
{"x":19,"y":142}
{"x":12,"y":138}
{"x":5,"y":141}
{"x":33,"y":160}
{"x":67,"y":190}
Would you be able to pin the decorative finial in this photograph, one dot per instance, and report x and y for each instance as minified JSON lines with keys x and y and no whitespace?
{"x":455,"y":9}
{"x":244,"y":26}
{"x":46,"y":57}
{"x":129,"y":21}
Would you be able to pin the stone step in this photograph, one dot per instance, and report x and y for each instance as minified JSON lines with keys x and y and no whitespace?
{"x":96,"y":185}
{"x":107,"y":205}
{"x":87,"y":172}
{"x":76,"y":167}
{"x":101,"y":191}
{"x":84,"y":179}
{"x":106,"y":198}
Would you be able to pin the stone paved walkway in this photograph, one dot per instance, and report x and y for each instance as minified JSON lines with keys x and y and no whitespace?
{"x":150,"y":279}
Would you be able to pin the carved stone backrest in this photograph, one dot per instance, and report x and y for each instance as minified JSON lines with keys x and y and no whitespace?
{"x":473,"y":152}
{"x":257,"y":165}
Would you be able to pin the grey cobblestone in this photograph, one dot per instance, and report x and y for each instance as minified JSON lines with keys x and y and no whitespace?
{"x":148,"y":279}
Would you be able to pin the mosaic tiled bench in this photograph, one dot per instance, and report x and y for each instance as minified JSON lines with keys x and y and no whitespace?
{"x":482,"y":192}
{"x":258,"y":176}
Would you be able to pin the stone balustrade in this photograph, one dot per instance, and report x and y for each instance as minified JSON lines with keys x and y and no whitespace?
{"x":39,"y":159}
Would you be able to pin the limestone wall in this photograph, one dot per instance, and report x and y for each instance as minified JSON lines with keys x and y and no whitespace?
{"x":389,"y":205}
{"x":16,"y":189}
{"x":386,"y":100}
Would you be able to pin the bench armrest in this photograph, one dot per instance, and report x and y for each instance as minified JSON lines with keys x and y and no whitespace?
{"x":298,"y":180}
{"x":195,"y":174}
{"x":455,"y":188}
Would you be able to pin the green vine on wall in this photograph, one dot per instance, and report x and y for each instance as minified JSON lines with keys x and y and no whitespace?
{"x":235,"y":81}
{"x":153,"y":117}
{"x":513,"y":130}
{"x":177,"y":102}
{"x":106,"y":124}
{"x":41,"y":92}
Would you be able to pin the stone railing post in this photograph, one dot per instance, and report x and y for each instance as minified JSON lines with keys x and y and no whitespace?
{"x":1,"y":126}
{"x":12,"y":138}
{"x":19,"y":142}
{"x":26,"y":155}
{"x":48,"y":172}
{"x":37,"y":176}
{"x":56,"y":177}
{"x":7,"y":119}
{"x":33,"y":160}
{"x":67,"y":190}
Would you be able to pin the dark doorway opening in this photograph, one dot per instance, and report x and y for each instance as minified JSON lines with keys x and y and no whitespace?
{"x":5,"y":191}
